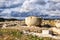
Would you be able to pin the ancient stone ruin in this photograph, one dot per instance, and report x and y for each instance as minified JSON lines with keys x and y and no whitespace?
{"x":33,"y":21}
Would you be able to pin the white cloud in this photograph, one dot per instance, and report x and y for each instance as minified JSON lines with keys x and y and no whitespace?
{"x":8,"y":3}
{"x":33,"y":4}
{"x":41,"y":6}
{"x":55,"y":0}
{"x":6,"y":11}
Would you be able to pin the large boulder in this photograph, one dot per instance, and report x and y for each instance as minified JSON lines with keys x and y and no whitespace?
{"x":33,"y":21}
{"x":57,"y":24}
{"x":55,"y":30}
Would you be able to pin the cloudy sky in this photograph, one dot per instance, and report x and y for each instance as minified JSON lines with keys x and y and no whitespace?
{"x":24,"y":8}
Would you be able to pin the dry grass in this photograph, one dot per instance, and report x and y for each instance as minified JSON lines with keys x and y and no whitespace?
{"x":13,"y":34}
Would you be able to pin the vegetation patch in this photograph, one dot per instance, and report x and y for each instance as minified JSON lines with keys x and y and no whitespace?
{"x":14,"y":34}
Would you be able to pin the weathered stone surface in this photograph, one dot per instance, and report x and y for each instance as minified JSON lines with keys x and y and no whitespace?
{"x":57,"y":24}
{"x":56,"y":30}
{"x":45,"y":31}
{"x":33,"y":21}
{"x":52,"y":23}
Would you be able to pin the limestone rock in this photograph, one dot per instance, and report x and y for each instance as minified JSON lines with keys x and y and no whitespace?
{"x":56,"y":30}
{"x":33,"y":21}
{"x":52,"y":23}
{"x":57,"y":24}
